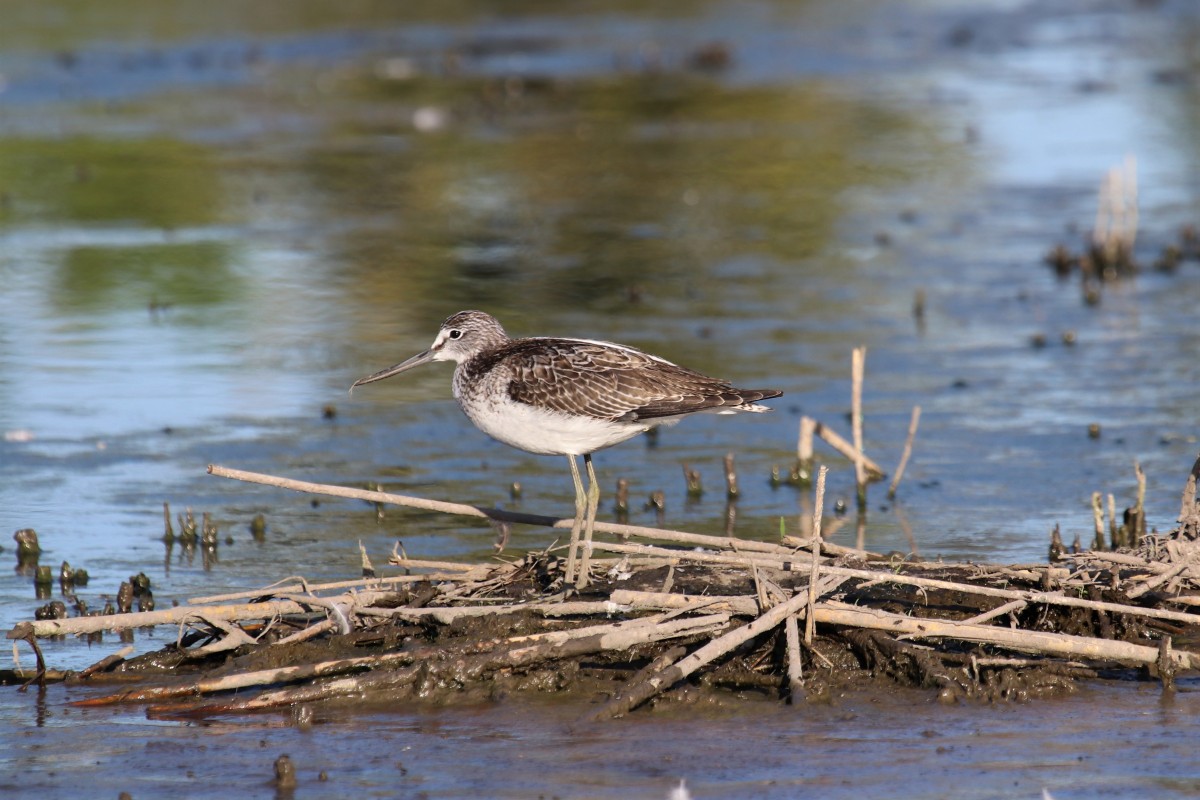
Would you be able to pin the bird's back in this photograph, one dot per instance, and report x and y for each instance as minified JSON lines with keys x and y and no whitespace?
{"x":597,"y":380}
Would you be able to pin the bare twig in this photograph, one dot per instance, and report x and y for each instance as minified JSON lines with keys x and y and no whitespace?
{"x":907,"y":453}
{"x":857,"y":364}
{"x":839,"y":444}
{"x":815,"y":569}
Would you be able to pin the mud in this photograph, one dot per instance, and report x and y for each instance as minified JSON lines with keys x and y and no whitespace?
{"x":464,"y":662}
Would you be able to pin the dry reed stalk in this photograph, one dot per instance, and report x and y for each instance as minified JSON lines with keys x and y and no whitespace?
{"x":834,"y":440}
{"x":1025,"y":641}
{"x":1112,"y":519}
{"x":815,"y":570}
{"x":364,"y":583}
{"x":786,"y":563}
{"x":858,"y":359}
{"x":170,"y":616}
{"x":467,"y":666}
{"x":398,"y":560}
{"x":741,"y":605}
{"x":1139,"y":506}
{"x":999,"y":611}
{"x":1046,"y":598}
{"x":1097,"y":521}
{"x":731,"y":480}
{"x":448,"y":614}
{"x":795,"y":671}
{"x":662,"y":534}
{"x":804,"y":445}
{"x":907,"y":452}
{"x":1158,"y":580}
{"x":1116,"y":225}
{"x":636,"y":694}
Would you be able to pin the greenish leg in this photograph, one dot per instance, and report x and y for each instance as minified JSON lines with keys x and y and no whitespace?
{"x":580,"y":510}
{"x":593,"y":502}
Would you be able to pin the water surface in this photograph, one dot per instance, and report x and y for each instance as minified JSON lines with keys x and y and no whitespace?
{"x":211,"y":224}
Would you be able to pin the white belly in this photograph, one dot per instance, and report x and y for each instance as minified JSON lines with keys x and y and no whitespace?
{"x":546,"y":432}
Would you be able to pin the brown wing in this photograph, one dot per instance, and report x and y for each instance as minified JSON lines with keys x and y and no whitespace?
{"x":613,"y":383}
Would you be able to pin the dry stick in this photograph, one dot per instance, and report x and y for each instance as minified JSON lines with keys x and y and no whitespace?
{"x":857,"y":362}
{"x":1046,"y":598}
{"x":788,"y":563}
{"x":304,"y":634}
{"x":1188,"y":508}
{"x":515,"y":653}
{"x":1159,"y":580}
{"x":366,"y":583}
{"x":804,"y":446}
{"x":307,"y":672}
{"x":741,"y":605}
{"x":731,"y":482}
{"x":1140,"y":506}
{"x":1112,"y":520}
{"x":138,"y":619}
{"x":1098,"y":520}
{"x":397,"y":560}
{"x":998,"y":611}
{"x":301,"y":672}
{"x":1123,"y":558}
{"x":639,"y":693}
{"x":907,"y":453}
{"x":448,"y":615}
{"x":1056,"y":644}
{"x":814,"y":572}
{"x":1008,"y":594}
{"x":835,"y":441}
{"x":174,"y":616}
{"x":795,"y":672}
{"x":499,"y":514}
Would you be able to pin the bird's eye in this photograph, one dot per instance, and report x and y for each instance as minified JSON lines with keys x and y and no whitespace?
{"x":455,"y":334}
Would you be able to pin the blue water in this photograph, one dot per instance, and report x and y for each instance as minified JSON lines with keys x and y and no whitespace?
{"x":211,"y":224}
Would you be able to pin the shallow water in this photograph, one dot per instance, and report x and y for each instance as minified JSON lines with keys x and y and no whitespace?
{"x":211,"y":224}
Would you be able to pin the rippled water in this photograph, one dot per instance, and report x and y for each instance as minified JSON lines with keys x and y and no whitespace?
{"x":212,"y":223}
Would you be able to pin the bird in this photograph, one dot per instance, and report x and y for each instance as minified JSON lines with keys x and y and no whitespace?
{"x":568,"y":397}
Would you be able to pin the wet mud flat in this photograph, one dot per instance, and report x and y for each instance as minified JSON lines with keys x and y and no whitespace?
{"x":700,"y":619}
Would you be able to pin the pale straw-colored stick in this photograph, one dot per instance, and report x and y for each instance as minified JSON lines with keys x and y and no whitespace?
{"x":815,"y":571}
{"x":907,"y":453}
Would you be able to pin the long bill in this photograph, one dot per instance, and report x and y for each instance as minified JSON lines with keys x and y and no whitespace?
{"x":404,"y":366}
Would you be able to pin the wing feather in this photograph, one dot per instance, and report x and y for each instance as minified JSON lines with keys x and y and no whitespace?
{"x":613,"y":382}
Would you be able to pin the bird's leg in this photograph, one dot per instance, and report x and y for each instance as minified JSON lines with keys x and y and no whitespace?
{"x":593,"y":500}
{"x":580,"y":508}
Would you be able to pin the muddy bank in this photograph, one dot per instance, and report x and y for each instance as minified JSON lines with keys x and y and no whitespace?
{"x":697,"y":619}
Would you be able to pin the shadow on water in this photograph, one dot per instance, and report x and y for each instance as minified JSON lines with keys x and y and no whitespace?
{"x":214,"y":218}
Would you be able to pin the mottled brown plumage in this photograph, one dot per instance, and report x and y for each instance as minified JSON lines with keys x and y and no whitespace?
{"x":569,"y":396}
